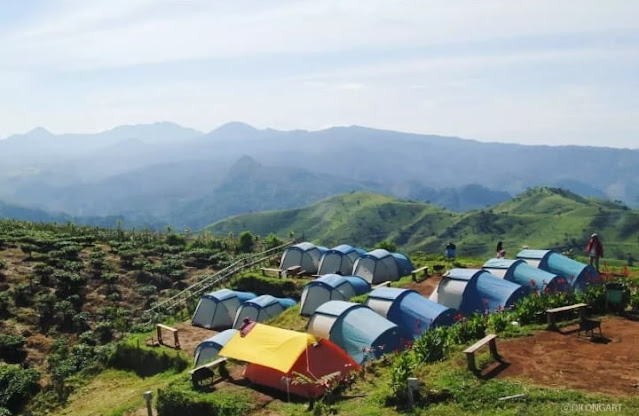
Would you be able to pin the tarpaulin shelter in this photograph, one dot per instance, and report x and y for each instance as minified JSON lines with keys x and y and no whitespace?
{"x":577,"y":274}
{"x":261,"y":309}
{"x":330,"y":287}
{"x":209,"y":349}
{"x":531,"y":278}
{"x":275,"y":355}
{"x":339,"y":259}
{"x":380,"y":265}
{"x":475,"y":290}
{"x":356,"y":328}
{"x":306,"y":255}
{"x":412,"y":312}
{"x":217,"y":310}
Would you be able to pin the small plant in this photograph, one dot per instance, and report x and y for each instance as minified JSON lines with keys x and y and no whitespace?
{"x":329,"y":383}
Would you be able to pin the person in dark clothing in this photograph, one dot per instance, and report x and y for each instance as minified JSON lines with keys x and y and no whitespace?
{"x":450,"y":250}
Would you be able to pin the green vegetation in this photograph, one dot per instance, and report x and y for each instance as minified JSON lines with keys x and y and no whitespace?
{"x":538,"y":218}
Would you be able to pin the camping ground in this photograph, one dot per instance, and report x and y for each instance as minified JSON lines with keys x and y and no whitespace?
{"x":555,"y":371}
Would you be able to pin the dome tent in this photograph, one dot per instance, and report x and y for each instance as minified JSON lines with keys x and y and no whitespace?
{"x":577,"y":274}
{"x":216,"y":310}
{"x":412,"y":312}
{"x":209,"y":349}
{"x":276,"y":355}
{"x":531,"y":278}
{"x":330,"y":287}
{"x":340,"y":258}
{"x":261,"y":308}
{"x":306,"y":255}
{"x":380,"y":265}
{"x":356,"y":329}
{"x":475,"y":290}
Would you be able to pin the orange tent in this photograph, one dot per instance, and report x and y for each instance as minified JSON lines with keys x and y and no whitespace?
{"x":275,"y":355}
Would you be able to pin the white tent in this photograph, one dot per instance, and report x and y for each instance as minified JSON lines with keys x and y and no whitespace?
{"x":306,"y":255}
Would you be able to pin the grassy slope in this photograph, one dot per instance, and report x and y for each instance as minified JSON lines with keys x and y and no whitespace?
{"x":541,"y":218}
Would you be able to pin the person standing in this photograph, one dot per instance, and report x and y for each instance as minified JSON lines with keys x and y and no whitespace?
{"x":594,"y":248}
{"x":500,"y":253}
{"x":450,"y":251}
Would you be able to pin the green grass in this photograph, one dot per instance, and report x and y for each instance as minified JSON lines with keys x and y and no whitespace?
{"x":113,"y":392}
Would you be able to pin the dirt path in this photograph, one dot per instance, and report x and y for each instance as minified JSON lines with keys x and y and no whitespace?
{"x":426,"y":287}
{"x":564,"y":360}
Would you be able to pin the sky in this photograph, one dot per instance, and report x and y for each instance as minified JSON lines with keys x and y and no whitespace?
{"x":525,"y":71}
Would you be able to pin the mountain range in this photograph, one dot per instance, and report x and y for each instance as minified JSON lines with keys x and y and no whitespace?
{"x":164,"y":174}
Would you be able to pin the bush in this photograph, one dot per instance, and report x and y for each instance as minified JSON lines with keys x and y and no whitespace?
{"x":18,"y":385}
{"x":12,"y":348}
{"x":270,"y":286}
{"x":145,"y":362}
{"x":5,"y":302}
{"x":172,"y":401}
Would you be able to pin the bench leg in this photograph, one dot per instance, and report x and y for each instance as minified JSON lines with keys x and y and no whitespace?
{"x":470,"y":358}
{"x":493,"y":349}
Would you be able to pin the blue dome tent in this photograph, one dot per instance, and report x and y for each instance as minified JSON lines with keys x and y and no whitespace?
{"x":379,"y":266}
{"x":216,"y":310}
{"x":330,"y":287}
{"x":306,"y":255}
{"x":209,"y":349}
{"x":355,"y":328}
{"x":340,"y":258}
{"x":412,"y":312}
{"x":261,"y":309}
{"x":577,"y":274}
{"x":475,"y":290}
{"x":531,"y":278}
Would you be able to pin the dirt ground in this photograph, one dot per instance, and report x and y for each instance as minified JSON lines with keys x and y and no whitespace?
{"x":426,"y":287}
{"x":549,"y":358}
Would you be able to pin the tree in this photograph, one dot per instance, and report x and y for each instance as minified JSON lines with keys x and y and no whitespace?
{"x":246,"y":242}
{"x":387,"y":245}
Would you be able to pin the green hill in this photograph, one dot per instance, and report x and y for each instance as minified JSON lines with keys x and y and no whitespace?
{"x":538,"y":218}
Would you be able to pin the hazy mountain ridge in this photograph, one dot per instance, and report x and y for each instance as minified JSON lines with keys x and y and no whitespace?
{"x":168,"y":174}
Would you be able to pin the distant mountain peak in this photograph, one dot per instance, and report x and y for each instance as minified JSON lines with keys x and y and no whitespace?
{"x":39,"y":132}
{"x":235,"y":127}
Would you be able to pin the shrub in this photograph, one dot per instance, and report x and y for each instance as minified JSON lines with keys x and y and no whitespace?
{"x":270,"y":286}
{"x":18,"y":385}
{"x":172,"y":401}
{"x":145,"y":362}
{"x":5,"y":302}
{"x":12,"y":348}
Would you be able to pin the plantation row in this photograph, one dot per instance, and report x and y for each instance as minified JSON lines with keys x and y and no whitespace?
{"x":68,"y":292}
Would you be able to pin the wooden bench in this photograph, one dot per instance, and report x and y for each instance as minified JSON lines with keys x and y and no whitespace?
{"x":383,"y":284}
{"x":416,"y":272}
{"x":176,"y":339}
{"x":552,"y":313}
{"x":207,"y":372}
{"x":489,"y":339}
{"x":589,"y":325}
{"x":294,"y":271}
{"x":268,"y":270}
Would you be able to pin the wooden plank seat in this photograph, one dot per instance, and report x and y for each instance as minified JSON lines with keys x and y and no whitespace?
{"x":204,"y":374}
{"x":176,"y":339}
{"x":491,"y":340}
{"x":416,"y":272}
{"x":588,"y":326}
{"x":553,"y":312}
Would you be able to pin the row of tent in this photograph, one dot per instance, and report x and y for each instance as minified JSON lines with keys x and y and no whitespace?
{"x":375,"y":266}
{"x":342,"y":335}
{"x":226,"y":308}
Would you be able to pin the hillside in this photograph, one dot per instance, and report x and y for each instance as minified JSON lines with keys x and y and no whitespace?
{"x":541,"y":217}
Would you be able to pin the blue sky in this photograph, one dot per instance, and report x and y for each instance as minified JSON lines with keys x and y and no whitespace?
{"x":526,"y":71}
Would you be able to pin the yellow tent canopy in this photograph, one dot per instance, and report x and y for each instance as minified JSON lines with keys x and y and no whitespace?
{"x":268,"y":346}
